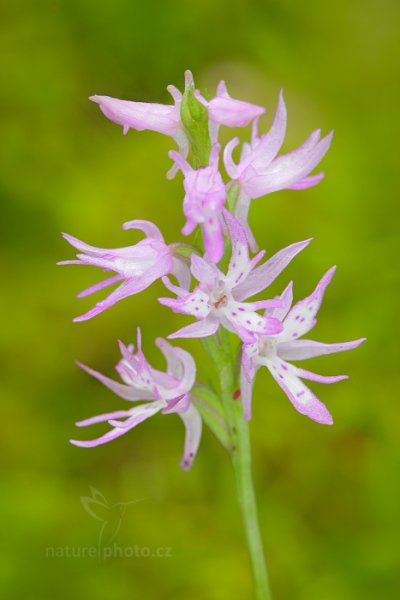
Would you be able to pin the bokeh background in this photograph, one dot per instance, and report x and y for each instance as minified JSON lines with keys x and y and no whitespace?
{"x":328,"y":497}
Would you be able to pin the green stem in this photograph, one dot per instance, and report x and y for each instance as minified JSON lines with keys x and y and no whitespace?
{"x":242,"y":467}
{"x":220,"y":352}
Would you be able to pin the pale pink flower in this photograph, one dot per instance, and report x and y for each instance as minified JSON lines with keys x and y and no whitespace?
{"x":274,"y":351}
{"x":259,"y":172}
{"x":218,"y":299}
{"x":204,"y":201}
{"x":166,"y":392}
{"x":136,"y":267}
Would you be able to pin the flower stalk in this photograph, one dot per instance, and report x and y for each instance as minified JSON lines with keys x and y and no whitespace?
{"x":240,"y":451}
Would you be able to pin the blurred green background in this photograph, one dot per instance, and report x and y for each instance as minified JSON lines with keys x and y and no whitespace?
{"x":328,"y":497}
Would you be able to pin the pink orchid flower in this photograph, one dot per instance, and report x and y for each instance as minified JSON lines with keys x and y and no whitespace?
{"x":166,"y":392}
{"x":260,"y":172}
{"x":137,"y":266}
{"x":273,"y":352}
{"x":204,"y":201}
{"x":218,"y":299}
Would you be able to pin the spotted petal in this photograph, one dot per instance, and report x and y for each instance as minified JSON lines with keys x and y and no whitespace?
{"x":301,"y":318}
{"x":195,"y":304}
{"x":304,"y":401}
{"x":193,"y":425}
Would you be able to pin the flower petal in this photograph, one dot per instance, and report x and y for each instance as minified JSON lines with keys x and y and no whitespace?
{"x":204,"y":271}
{"x":239,"y":264}
{"x":199,"y":329}
{"x":248,"y":365}
{"x":127,"y":392}
{"x":304,"y":374}
{"x":303,"y":349}
{"x":230,"y":167}
{"x":304,"y":401}
{"x":286,"y":299}
{"x":307,"y":182}
{"x":177,"y":405}
{"x":148,"y":228}
{"x":175,"y":289}
{"x":127,"y":288}
{"x":243,"y":316}
{"x":246,"y":390}
{"x":185,"y":374}
{"x":107,"y":437}
{"x":262,"y":277}
{"x":181,"y":271}
{"x":100,"y":286}
{"x":174,"y":364}
{"x":242,"y":215}
{"x":213,"y":237}
{"x":139,"y":115}
{"x":137,"y":415}
{"x":287,"y":170}
{"x":301,"y":318}
{"x":195,"y":304}
{"x":116,"y":414}
{"x":265,"y":149}
{"x":193,"y":425}
{"x":224,"y":110}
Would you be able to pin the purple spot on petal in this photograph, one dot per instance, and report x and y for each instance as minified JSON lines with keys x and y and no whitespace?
{"x":294,"y":334}
{"x":299,"y":394}
{"x":297,"y":318}
{"x":248,"y":322}
{"x":241,"y":309}
{"x":284,"y":367}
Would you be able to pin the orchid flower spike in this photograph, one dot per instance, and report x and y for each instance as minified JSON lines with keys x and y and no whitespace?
{"x":218,"y":299}
{"x":166,"y":392}
{"x":137,"y":266}
{"x":162,"y":118}
{"x":273,"y":352}
{"x":204,"y":200}
{"x":259,"y":172}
